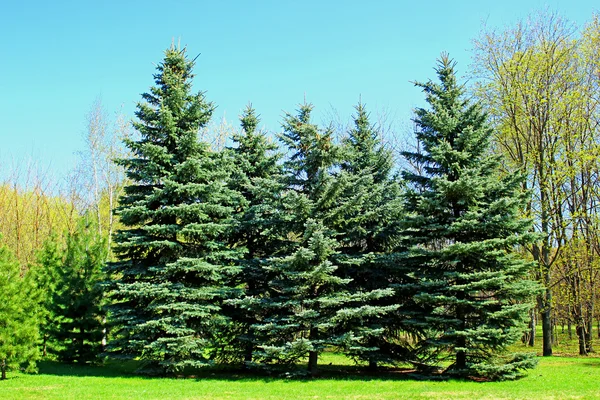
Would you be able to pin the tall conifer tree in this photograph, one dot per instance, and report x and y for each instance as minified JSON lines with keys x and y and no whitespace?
{"x":461,"y":232}
{"x":19,"y":316}
{"x":46,"y":274}
{"x":306,"y":296}
{"x":77,"y":298}
{"x":366,"y":215}
{"x":175,"y":267}
{"x":257,"y":175}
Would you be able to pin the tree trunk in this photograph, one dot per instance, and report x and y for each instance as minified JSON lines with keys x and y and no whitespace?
{"x":590,"y":327}
{"x":546,"y":306}
{"x":544,"y":300}
{"x":581,"y":325}
{"x":546,"y":333}
{"x":372,"y":365}
{"x":461,"y":359}
{"x":3,"y":368}
{"x":313,"y":356}
{"x":546,"y":325}
{"x":532,"y":323}
{"x":589,"y":337}
{"x":248,"y":354}
{"x":547,"y":314}
{"x":81,"y":357}
{"x":581,"y":336}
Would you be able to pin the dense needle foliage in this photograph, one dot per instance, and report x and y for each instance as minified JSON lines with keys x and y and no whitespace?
{"x":261,"y":255}
{"x":460,"y":231}
{"x":19,"y":316}
{"x":175,"y":268}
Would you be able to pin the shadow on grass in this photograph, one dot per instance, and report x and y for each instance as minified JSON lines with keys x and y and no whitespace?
{"x":595,"y":363}
{"x":112,"y":369}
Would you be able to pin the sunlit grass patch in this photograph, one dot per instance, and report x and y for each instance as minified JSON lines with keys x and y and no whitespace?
{"x":554,"y":378}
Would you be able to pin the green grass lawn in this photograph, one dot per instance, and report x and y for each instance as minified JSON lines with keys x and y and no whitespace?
{"x":554,"y":378}
{"x":564,"y":377}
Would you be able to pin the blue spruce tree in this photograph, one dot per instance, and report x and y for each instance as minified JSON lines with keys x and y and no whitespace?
{"x":175,"y":268}
{"x":462,"y":232}
{"x":306,"y":297}
{"x":257,"y":176}
{"x":365,"y":217}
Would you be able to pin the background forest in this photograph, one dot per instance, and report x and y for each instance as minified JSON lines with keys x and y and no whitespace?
{"x":182,"y":243}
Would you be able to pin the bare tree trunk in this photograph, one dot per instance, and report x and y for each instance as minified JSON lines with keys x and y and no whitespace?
{"x":589,"y":336}
{"x":579,"y":317}
{"x":372,"y":365}
{"x":532,"y":324}
{"x":581,"y":334}
{"x":544,"y":300}
{"x":545,"y":253}
{"x":547,"y":317}
{"x":461,"y":356}
{"x":590,"y":327}
{"x":547,"y":327}
{"x":313,"y":356}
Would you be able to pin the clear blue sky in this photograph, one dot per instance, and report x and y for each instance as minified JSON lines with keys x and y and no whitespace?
{"x":58,"y":56}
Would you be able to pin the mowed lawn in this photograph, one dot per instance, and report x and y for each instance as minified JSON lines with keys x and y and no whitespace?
{"x":563,"y":377}
{"x":554,"y":378}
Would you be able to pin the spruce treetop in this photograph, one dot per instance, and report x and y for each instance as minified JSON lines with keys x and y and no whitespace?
{"x":254,"y":150}
{"x":249,"y":120}
{"x":366,"y":151}
{"x":312,"y":148}
{"x":169,"y":120}
{"x":454,"y":133}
